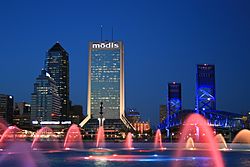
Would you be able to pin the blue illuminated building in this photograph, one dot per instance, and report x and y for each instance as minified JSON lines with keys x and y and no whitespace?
{"x":174,"y":101}
{"x":205,"y":88}
{"x":224,"y":122}
{"x":174,"y":97}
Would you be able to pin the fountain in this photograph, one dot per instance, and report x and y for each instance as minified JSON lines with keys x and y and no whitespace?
{"x":129,"y":141}
{"x":73,"y":138}
{"x":221,"y":141}
{"x":206,"y":152}
{"x":158,"y":140}
{"x":9,"y":133}
{"x":3,"y":127}
{"x":100,"y":140}
{"x":190,"y":144}
{"x":43,"y":138}
{"x":193,"y":121}
{"x":19,"y":154}
{"x":242,"y":137}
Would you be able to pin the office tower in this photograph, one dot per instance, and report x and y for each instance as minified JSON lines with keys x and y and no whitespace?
{"x":6,"y":107}
{"x":57,"y":65}
{"x":22,"y":116}
{"x":205,"y":88}
{"x":106,"y":82}
{"x":163,"y":112}
{"x":174,"y":98}
{"x":46,"y":104}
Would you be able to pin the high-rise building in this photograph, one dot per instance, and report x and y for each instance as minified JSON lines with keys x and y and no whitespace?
{"x":163,"y":112}
{"x":22,"y":115}
{"x":6,"y":107}
{"x":205,"y":88}
{"x":174,"y":98}
{"x":106,"y":83}
{"x":57,"y":65}
{"x":46,"y":104}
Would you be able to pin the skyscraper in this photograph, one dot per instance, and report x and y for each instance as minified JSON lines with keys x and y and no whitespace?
{"x":205,"y":88}
{"x":57,"y":65}
{"x":6,"y":107}
{"x":22,"y":115}
{"x":46,"y":104}
{"x":106,"y":82}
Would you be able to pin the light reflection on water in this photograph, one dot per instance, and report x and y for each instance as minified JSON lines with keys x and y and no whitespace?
{"x":101,"y":163}
{"x":135,"y":158}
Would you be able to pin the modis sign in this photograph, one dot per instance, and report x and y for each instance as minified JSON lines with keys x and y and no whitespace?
{"x":105,"y":45}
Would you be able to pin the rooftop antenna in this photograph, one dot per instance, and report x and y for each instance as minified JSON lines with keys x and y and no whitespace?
{"x":112,"y":34}
{"x":101,"y":33}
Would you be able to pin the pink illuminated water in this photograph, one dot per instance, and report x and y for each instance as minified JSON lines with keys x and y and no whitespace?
{"x":23,"y":156}
{"x":190,"y":143}
{"x":43,"y":138}
{"x":242,"y":137}
{"x":129,"y":141}
{"x":205,"y":133}
{"x":100,"y":140}
{"x":158,"y":140}
{"x":221,"y":140}
{"x":9,"y":133}
{"x":73,"y":138}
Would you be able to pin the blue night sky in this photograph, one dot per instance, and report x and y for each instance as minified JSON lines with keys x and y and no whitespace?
{"x":164,"y":40}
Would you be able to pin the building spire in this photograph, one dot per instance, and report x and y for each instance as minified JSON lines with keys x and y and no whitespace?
{"x":112,"y":35}
{"x":101,"y":33}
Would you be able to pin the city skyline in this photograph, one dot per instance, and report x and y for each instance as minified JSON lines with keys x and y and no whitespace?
{"x":149,"y":65}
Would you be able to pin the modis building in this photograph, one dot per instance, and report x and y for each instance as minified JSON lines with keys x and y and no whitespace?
{"x":106,"y":83}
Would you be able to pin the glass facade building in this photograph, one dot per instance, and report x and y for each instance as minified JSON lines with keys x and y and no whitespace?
{"x":57,"y":65}
{"x":106,"y":82}
{"x":46,"y":103}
